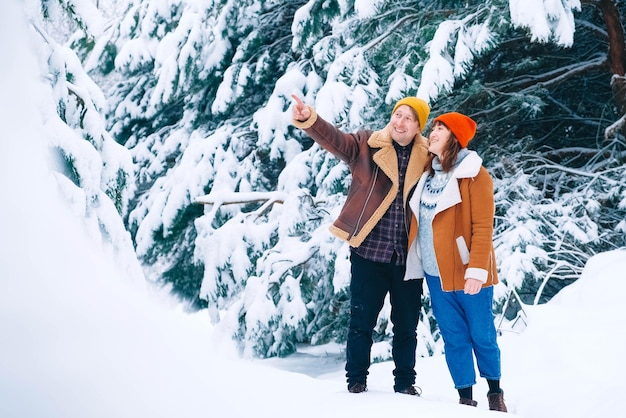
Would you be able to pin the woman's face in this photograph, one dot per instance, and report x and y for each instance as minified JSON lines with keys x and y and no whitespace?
{"x":438,"y":138}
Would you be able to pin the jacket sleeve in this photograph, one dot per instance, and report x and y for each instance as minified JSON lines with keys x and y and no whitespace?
{"x":414,"y":269}
{"x":482,"y":206}
{"x":332,"y":139}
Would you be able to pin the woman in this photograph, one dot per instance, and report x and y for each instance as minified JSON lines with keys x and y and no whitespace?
{"x":451,"y":245}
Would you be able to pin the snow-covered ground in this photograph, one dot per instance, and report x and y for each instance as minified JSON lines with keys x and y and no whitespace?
{"x":79,"y":339}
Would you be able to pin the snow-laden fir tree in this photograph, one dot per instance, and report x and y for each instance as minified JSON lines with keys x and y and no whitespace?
{"x":231,"y":205}
{"x":92,"y":170}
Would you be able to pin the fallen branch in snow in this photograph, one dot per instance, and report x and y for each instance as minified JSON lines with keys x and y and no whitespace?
{"x":234,"y":198}
{"x":218,"y":199}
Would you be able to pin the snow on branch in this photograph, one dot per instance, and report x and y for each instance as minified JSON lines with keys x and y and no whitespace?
{"x":232,"y":198}
{"x":219,"y":199}
{"x":463,"y":36}
{"x":618,"y":84}
{"x":546,"y":19}
{"x":235,"y":198}
{"x":618,"y":125}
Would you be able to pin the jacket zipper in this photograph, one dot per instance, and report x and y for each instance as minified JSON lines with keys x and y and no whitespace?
{"x":369,"y":194}
{"x":405,"y":205}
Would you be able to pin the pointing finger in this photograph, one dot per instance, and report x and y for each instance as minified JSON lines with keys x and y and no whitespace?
{"x":299,"y":102}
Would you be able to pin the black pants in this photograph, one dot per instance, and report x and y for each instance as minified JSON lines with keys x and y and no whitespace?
{"x":369,"y":285}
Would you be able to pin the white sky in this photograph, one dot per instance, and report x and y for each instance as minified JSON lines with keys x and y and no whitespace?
{"x":81,"y":339}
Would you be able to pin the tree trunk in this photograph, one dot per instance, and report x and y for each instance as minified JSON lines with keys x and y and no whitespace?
{"x":617,"y":55}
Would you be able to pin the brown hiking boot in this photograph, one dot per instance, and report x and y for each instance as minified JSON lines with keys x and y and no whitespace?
{"x":411,"y":390}
{"x":470,"y":402}
{"x":357,"y":387}
{"x":496,"y":401}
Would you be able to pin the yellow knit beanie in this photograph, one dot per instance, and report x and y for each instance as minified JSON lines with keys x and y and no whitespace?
{"x":420,"y":106}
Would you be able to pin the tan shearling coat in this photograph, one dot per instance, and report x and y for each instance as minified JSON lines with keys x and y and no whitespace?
{"x":462,"y":228}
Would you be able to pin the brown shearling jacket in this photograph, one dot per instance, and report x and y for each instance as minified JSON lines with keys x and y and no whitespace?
{"x":373,"y":162}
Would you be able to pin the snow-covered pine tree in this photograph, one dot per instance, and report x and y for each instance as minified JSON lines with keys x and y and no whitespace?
{"x":93,"y":171}
{"x":199,"y":92}
{"x":212,"y":140}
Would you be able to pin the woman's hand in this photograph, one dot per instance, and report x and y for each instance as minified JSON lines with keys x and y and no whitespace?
{"x":301,"y":111}
{"x":472,"y":286}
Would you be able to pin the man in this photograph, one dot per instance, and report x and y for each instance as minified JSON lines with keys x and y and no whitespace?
{"x":385,"y":167}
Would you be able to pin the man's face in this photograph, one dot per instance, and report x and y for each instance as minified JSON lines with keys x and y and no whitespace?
{"x":404,"y":125}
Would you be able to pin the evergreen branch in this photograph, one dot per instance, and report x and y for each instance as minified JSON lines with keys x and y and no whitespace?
{"x":390,"y":31}
{"x":530,"y":82}
{"x":570,"y":112}
{"x":548,"y":164}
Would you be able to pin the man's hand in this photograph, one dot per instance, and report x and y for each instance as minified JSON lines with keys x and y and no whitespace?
{"x":301,"y":112}
{"x":472,"y":286}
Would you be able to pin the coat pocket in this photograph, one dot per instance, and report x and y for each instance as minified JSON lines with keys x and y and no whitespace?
{"x":463,"y":250}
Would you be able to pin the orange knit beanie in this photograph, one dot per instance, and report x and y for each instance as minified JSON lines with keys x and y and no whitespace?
{"x":421,"y":108}
{"x":463,"y":127}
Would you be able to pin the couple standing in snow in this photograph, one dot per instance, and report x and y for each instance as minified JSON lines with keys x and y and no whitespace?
{"x":417,"y":210}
